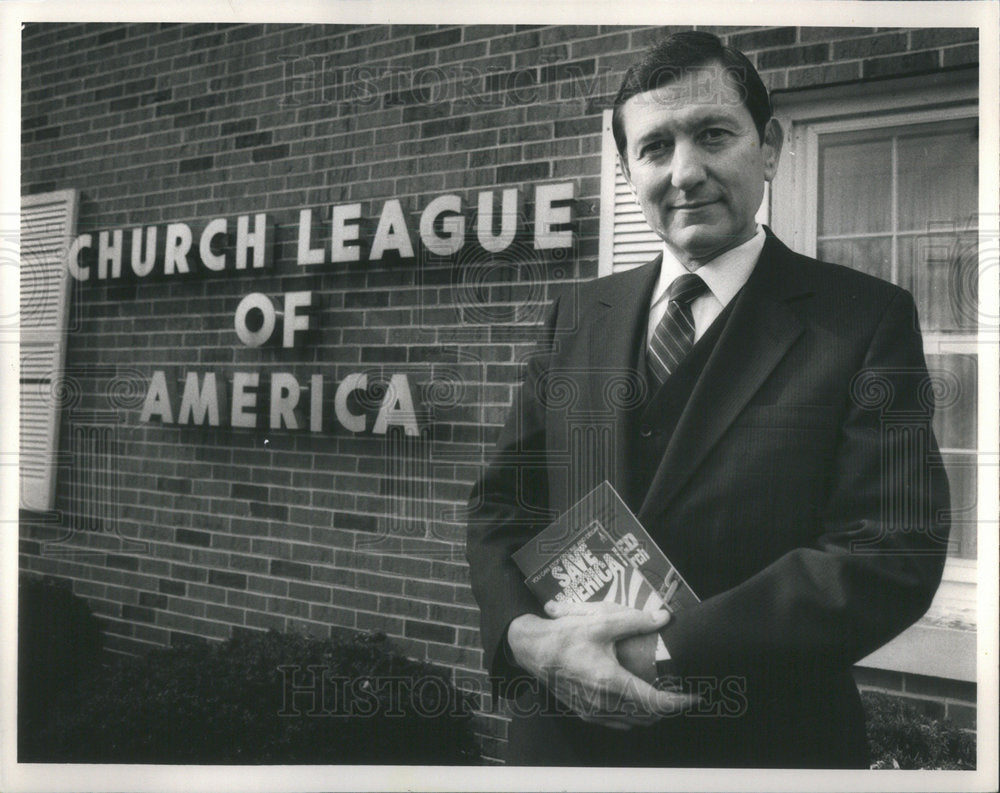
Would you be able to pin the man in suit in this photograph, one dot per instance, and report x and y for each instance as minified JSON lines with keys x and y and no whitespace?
{"x":767,"y":418}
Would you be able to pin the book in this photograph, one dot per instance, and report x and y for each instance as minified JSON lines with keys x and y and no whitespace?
{"x":599,"y":551}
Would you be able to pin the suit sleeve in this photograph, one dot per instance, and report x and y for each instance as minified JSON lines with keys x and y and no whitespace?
{"x":507,"y":507}
{"x":877,"y":561}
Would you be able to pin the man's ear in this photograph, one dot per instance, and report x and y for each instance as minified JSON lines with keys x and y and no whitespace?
{"x":774,"y":137}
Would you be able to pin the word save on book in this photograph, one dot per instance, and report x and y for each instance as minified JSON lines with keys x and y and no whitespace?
{"x":598,"y":551}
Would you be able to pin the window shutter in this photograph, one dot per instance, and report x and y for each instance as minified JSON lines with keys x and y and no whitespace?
{"x":48,"y":222}
{"x":626,"y":240}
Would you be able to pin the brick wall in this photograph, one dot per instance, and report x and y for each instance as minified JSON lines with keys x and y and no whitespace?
{"x":201,"y":532}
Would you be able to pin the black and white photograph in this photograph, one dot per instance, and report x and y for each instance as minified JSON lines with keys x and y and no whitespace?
{"x":454,"y":397}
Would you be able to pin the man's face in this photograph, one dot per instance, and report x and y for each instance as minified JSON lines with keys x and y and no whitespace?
{"x":696,"y":163}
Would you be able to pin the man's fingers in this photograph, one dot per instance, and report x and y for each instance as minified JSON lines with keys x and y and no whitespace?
{"x":626,"y":693}
{"x":569,"y":608}
{"x":623,"y":697}
{"x":612,"y":722}
{"x":616,"y":625}
{"x":612,"y":621}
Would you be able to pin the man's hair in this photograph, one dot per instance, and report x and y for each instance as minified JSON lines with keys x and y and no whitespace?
{"x":684,"y":53}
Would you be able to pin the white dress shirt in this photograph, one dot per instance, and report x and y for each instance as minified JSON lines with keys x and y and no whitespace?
{"x":724,"y":275}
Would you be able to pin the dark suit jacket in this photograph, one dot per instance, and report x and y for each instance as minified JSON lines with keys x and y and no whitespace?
{"x":797,"y":487}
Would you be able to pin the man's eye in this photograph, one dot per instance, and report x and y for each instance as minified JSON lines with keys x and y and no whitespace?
{"x":714,"y":135}
{"x":655,"y":148}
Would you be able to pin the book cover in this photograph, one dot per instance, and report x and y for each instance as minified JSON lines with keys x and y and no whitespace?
{"x":592,"y":567}
{"x":598,"y":550}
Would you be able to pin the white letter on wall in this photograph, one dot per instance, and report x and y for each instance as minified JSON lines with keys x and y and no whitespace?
{"x":178,"y":245}
{"x":350,"y":421}
{"x":245,"y":240}
{"x":243,"y":399}
{"x":307,"y":255}
{"x":391,"y":232}
{"x":109,"y":252}
{"x":397,"y":408}
{"x":508,"y":221}
{"x":342,"y":233}
{"x":453,"y":226}
{"x":284,"y":397}
{"x":294,"y":321}
{"x":197,"y":404}
{"x":546,"y":216}
{"x":159,"y":398}
{"x":254,"y":338}
{"x":143,"y":266}
{"x":212,"y":261}
{"x":316,"y":403}
{"x":73,"y":258}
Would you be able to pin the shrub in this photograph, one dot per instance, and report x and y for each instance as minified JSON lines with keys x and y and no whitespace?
{"x":900,"y":736}
{"x":59,"y":646}
{"x":359,"y":702}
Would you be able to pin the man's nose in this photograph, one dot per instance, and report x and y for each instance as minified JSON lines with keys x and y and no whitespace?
{"x":688,"y":167}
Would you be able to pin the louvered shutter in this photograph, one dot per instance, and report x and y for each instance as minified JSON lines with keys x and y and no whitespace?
{"x":48,"y":222}
{"x":626,"y":240}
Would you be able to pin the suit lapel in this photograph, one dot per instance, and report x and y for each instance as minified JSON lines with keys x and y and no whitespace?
{"x":619,"y":319}
{"x":754,"y":340}
{"x":623,"y":310}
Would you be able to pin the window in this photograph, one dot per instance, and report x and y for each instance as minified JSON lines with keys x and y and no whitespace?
{"x":48,"y":222}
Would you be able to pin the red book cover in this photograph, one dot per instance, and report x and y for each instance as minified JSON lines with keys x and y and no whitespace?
{"x":598,"y":550}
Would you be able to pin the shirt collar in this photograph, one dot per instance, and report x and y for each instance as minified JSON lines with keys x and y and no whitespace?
{"x":724,"y":275}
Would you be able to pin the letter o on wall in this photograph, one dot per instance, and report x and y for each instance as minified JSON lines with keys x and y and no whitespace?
{"x":255,"y":338}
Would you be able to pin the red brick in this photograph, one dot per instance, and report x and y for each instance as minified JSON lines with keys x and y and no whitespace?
{"x":368,"y":621}
{"x":761,"y":39}
{"x":429,"y":631}
{"x":832,"y":34}
{"x":402,"y":607}
{"x":870,"y":46}
{"x":353,"y":599}
{"x":332,"y":615}
{"x":793,"y":56}
{"x":381,"y":584}
{"x":926,"y":38}
{"x":442,"y":593}
{"x":455,"y":656}
{"x":961,"y":56}
{"x":827,"y":74}
{"x":291,"y":608}
{"x":314,"y":594}
{"x":900,"y":64}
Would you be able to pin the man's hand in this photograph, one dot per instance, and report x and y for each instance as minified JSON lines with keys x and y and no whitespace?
{"x":574,"y":655}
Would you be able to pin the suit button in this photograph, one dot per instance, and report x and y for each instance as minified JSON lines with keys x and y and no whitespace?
{"x":646,"y":431}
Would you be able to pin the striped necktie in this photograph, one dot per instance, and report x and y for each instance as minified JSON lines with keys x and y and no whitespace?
{"x":674,"y":336}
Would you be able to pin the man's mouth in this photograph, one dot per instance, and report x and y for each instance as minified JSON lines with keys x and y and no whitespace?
{"x":692,"y":205}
